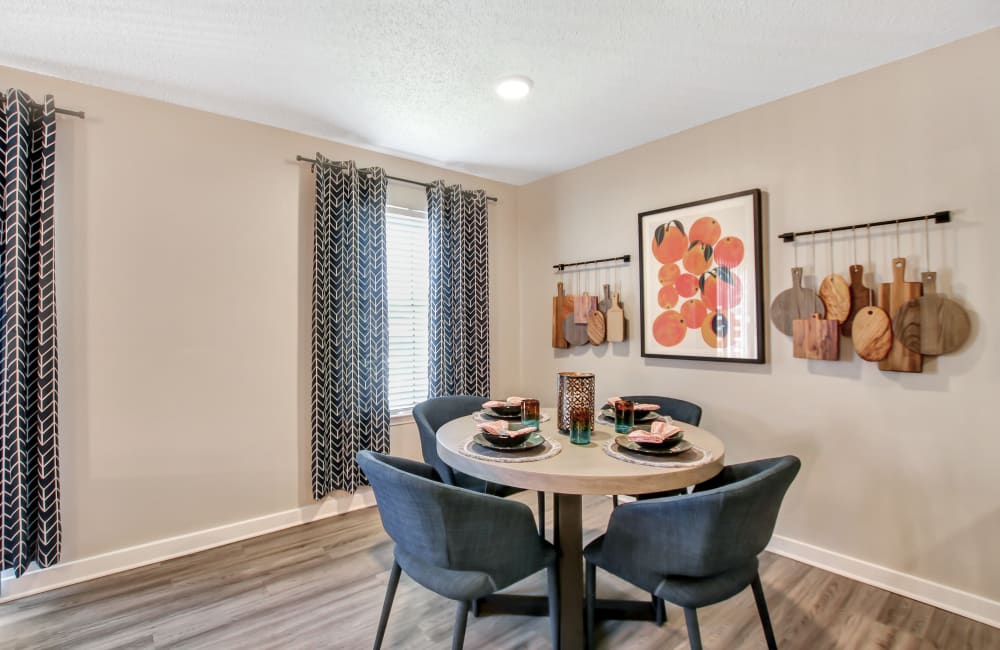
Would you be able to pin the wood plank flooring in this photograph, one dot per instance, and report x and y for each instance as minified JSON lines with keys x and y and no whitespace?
{"x":321,"y":586}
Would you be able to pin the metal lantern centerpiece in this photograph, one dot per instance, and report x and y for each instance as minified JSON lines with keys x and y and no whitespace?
{"x":576,"y":391}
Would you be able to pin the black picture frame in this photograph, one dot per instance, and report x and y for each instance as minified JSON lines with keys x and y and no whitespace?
{"x":728,"y":284}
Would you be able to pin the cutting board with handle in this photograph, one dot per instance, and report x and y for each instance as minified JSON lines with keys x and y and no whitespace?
{"x":575,"y":333}
{"x":816,"y":338}
{"x":797,"y":303}
{"x":861,"y":297}
{"x":932,"y":324}
{"x":562,"y":306}
{"x":836,"y":296}
{"x":871,"y":333}
{"x":891,"y":297}
{"x":581,"y":309}
{"x":615,"y":321}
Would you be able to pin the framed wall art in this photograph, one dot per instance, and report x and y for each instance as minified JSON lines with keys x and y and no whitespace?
{"x":701,"y":280}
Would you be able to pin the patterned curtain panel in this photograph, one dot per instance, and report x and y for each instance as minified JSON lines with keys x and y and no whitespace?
{"x":459,"y":330}
{"x":350,"y":341}
{"x":30,"y":481}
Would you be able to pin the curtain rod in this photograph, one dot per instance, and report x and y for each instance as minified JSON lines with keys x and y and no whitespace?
{"x":313,"y":161}
{"x":943,"y":216}
{"x":66,"y":111}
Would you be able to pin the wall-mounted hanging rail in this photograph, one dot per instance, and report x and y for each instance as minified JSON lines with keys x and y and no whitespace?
{"x":620,"y":258}
{"x":313,"y":161}
{"x":938,"y":217}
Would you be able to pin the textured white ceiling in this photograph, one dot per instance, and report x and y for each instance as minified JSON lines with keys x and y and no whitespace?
{"x":415,"y":77}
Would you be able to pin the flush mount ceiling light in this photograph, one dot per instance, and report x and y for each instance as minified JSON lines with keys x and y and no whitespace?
{"x":514,"y":88}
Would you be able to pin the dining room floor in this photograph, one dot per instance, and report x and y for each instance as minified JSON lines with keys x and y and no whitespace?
{"x":321,"y":585}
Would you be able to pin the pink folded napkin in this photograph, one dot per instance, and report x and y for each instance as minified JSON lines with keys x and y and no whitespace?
{"x":658,"y":432}
{"x":638,"y":406}
{"x":495,"y":403}
{"x":502,"y":428}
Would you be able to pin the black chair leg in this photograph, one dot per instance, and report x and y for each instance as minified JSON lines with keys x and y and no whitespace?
{"x":541,"y":515}
{"x":390,"y":594}
{"x":614,"y":500}
{"x":475,"y":607}
{"x":765,"y":618}
{"x":660,"y":611}
{"x":694,"y":634}
{"x":461,"y":618}
{"x":591,"y":595}
{"x":553,"y":575}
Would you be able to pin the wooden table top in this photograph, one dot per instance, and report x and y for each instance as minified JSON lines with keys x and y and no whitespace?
{"x":579,"y":469}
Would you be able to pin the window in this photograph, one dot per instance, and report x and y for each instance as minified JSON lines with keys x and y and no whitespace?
{"x":407,"y":276}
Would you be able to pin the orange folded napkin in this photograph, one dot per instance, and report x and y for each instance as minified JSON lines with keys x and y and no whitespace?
{"x":658,"y":432}
{"x":502,"y":428}
{"x":638,"y":406}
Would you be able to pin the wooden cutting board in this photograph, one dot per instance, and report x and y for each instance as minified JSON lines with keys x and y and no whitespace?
{"x":581,"y":309}
{"x":615,"y":321}
{"x":797,"y":303}
{"x":604,"y":304}
{"x":575,"y":333}
{"x":932,"y":324}
{"x":891,"y":297}
{"x":871,"y":333}
{"x":861,"y":297}
{"x":816,"y":338}
{"x":836,"y":296}
{"x":596,"y":328}
{"x":560,"y":309}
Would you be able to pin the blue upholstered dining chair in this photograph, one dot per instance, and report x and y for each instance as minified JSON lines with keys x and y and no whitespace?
{"x":433,"y":413}
{"x":696,"y":549}
{"x":459,"y":544}
{"x":677,"y":409}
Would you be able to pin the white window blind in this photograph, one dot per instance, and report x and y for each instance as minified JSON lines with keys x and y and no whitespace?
{"x":407,"y":274}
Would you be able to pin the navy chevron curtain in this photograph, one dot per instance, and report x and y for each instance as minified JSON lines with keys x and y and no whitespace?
{"x":30,"y":480}
{"x":350,"y":341}
{"x":459,"y":330}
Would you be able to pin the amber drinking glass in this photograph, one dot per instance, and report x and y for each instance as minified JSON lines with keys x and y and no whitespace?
{"x":530,"y":412}
{"x":624,"y":415}
{"x":579,"y":432}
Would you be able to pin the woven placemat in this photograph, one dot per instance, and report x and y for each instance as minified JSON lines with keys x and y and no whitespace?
{"x":693,"y":457}
{"x":480,"y":416}
{"x":548,"y":449}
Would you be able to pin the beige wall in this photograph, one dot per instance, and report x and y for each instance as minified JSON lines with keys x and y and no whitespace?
{"x":184,"y":260}
{"x":899,"y":470}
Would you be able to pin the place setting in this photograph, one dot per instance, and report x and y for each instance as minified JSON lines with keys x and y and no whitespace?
{"x":507,"y":409}
{"x":650,"y":439}
{"x":508,"y":431}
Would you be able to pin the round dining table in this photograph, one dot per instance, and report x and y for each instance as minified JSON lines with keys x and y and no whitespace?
{"x":574,"y":471}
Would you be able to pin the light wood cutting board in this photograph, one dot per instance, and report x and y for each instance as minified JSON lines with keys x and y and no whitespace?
{"x":891,"y":297}
{"x":561,"y":307}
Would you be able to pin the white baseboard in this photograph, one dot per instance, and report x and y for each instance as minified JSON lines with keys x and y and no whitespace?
{"x":953,"y":600}
{"x":66,"y":573}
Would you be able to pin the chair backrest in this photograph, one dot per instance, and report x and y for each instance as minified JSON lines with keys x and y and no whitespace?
{"x":443,"y":525}
{"x":430,"y":415}
{"x":678,"y":409}
{"x":708,"y":531}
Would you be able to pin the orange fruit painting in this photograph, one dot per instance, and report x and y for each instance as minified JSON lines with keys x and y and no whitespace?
{"x":702,"y":269}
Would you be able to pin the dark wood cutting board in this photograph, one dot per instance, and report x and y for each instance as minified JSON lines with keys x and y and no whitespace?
{"x":932,"y":324}
{"x":861,"y":297}
{"x":797,"y":303}
{"x":891,"y":297}
{"x":560,"y":309}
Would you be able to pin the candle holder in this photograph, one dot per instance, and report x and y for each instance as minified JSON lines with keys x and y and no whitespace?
{"x":576,"y":389}
{"x":624,"y":415}
{"x":530,"y":412}
{"x":581,"y":423}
